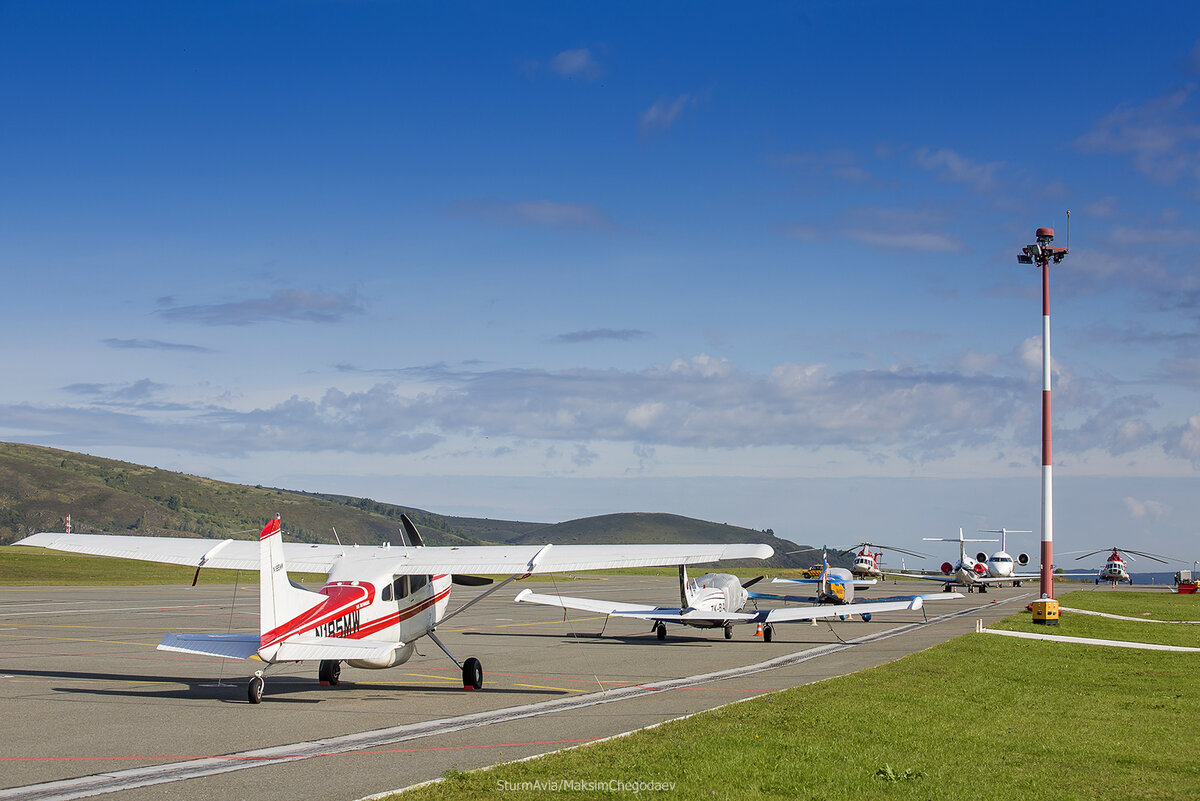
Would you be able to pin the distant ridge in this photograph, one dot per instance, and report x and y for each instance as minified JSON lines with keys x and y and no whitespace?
{"x":39,"y":486}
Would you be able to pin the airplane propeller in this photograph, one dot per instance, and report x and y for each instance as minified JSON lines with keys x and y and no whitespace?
{"x":752,"y":581}
{"x":411,"y":537}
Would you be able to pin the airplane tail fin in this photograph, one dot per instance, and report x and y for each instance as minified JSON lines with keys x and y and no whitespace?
{"x":685,"y":594}
{"x":281,"y":603}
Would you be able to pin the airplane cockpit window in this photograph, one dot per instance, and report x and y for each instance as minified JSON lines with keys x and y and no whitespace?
{"x":417,"y":582}
{"x":386,"y":595}
{"x":400,"y":587}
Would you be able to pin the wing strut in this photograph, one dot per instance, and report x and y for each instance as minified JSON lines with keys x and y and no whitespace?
{"x":529,"y":568}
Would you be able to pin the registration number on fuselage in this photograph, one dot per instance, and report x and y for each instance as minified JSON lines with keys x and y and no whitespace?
{"x":342,"y":627}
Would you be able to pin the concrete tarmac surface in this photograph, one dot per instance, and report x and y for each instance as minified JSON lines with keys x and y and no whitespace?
{"x":90,"y":707}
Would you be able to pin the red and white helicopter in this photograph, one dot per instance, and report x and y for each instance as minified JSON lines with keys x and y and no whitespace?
{"x":1114,"y":569}
{"x":868,"y":564}
{"x":376,"y":601}
{"x":977,"y":572}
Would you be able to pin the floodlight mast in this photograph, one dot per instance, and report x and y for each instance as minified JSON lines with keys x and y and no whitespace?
{"x":1043,"y":253}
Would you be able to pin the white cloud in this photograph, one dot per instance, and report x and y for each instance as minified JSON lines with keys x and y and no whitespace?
{"x":950,"y":166}
{"x":1147,"y":508}
{"x":662,"y":115}
{"x":577,"y":63}
{"x":541,"y":213}
{"x":926,"y":241}
{"x":1161,"y":136}
{"x":286,"y":305}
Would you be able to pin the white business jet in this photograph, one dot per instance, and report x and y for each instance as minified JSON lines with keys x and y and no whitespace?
{"x":973,"y":573}
{"x":376,"y":601}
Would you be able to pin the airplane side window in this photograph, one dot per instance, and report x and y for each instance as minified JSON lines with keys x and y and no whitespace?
{"x":386,"y":595}
{"x":400,"y":586}
{"x":417,"y":582}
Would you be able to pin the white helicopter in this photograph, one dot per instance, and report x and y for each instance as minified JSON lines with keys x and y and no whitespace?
{"x":1114,"y":569}
{"x":974,"y":573}
{"x":869,"y":564}
{"x":376,"y":601}
{"x":716,"y":600}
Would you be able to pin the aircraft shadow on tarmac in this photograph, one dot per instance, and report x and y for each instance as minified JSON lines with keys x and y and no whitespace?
{"x":673,"y":638}
{"x":233,"y":690}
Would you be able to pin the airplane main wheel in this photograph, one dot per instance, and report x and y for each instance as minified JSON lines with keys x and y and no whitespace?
{"x":983,"y":588}
{"x":948,"y":588}
{"x":768,"y":633}
{"x":660,"y":631}
{"x":330,"y":672}
{"x":255,"y":690}
{"x":729,"y":632}
{"x":472,"y":674}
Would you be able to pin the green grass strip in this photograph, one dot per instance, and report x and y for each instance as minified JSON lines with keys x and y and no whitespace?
{"x":978,"y":717}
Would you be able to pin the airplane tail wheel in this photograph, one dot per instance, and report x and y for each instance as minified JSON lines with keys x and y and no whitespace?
{"x":768,"y":633}
{"x":660,"y":631}
{"x":255,"y":690}
{"x":330,"y":672}
{"x":472,"y":674}
{"x":729,"y":632}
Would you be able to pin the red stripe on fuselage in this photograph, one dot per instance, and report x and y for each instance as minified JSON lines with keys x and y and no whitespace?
{"x":387,"y":621}
{"x":342,"y":600}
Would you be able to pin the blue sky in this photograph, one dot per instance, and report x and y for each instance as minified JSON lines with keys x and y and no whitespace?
{"x":540,"y":261}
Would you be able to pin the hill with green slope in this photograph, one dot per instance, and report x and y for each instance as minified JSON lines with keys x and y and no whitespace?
{"x":39,"y":486}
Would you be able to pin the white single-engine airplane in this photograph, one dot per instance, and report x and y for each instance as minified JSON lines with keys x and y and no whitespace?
{"x":716,"y":600}
{"x":972,"y":573}
{"x":376,"y":601}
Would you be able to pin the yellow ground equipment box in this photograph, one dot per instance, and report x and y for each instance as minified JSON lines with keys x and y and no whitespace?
{"x":1045,"y":611}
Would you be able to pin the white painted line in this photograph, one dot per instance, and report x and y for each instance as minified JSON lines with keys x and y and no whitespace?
{"x":1123,"y":617}
{"x":1145,"y":646}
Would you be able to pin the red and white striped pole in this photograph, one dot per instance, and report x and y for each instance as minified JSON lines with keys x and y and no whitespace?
{"x":1042,"y":254}
{"x":1047,"y":573}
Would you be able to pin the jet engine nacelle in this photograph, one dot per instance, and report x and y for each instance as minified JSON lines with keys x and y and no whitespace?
{"x":1022,"y":559}
{"x":980,"y":568}
{"x":981,"y":557}
{"x":947,"y":568}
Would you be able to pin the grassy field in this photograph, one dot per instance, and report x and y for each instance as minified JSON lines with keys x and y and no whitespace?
{"x":1155,"y":605}
{"x":977,"y":717}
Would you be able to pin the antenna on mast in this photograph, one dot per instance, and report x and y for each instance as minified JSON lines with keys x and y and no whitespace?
{"x":1068,"y":230}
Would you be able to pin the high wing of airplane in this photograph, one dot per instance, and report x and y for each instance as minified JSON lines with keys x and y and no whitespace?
{"x":376,"y":601}
{"x":718,"y":600}
{"x":968,"y":572}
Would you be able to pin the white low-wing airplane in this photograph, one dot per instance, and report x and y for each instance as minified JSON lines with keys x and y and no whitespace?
{"x":716,"y":600}
{"x":376,"y":601}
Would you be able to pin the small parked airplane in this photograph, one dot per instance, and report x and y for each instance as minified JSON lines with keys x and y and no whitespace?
{"x":716,"y":600}
{"x":972,"y":573}
{"x":376,"y":601}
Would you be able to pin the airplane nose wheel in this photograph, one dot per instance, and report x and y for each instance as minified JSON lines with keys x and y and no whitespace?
{"x":255,"y":690}
{"x":330,"y":672}
{"x":660,"y":631}
{"x":768,"y":633}
{"x":472,"y":674}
